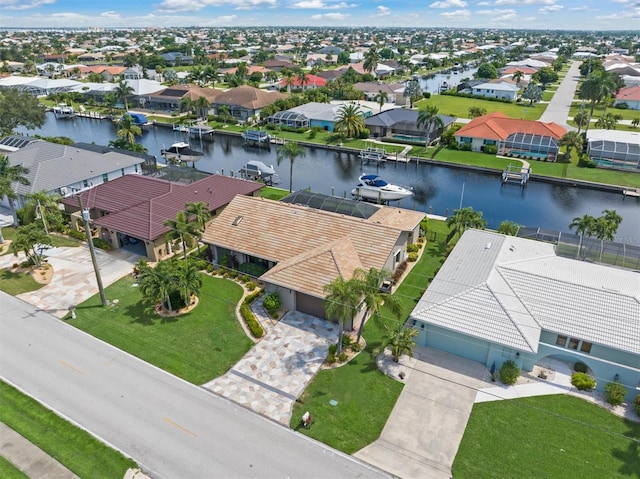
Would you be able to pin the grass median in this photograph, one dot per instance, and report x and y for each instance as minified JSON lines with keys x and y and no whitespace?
{"x":198,"y":346}
{"x":547,"y":436}
{"x":73,"y":447}
{"x":365,"y":396}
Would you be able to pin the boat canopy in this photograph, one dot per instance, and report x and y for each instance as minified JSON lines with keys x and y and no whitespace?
{"x":255,"y":165}
{"x":373,"y":180}
{"x":138,"y":118}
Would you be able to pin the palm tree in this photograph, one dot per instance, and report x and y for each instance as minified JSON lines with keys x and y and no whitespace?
{"x":341,"y":303}
{"x":223,"y":111}
{"x":44,"y":206}
{"x":180,"y":228}
{"x":596,"y":88}
{"x":10,"y":175}
{"x":128,"y":129}
{"x":509,"y":228}
{"x":350,"y":121}
{"x":110,"y":100}
{"x":581,"y":119}
{"x":199,"y":210}
{"x":400,"y":339}
{"x":428,"y":118}
{"x":187,"y":279}
{"x":608,"y":121}
{"x":584,"y":225}
{"x":186,"y":105}
{"x":570,"y":140}
{"x":517,"y":76}
{"x":613,"y":220}
{"x":476,"y":111}
{"x":381,"y":97}
{"x":412,"y":91}
{"x":464,"y":218}
{"x":373,"y":298}
{"x":371,"y":59}
{"x":155,"y":283}
{"x":290,"y":151}
{"x":303,"y":79}
{"x":122,"y":91}
{"x":202,"y":105}
{"x":31,"y":240}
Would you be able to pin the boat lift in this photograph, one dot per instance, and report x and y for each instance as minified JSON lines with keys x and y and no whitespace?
{"x":517,"y":174}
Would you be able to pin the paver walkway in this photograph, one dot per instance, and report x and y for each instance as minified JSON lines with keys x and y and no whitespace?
{"x":270,"y":377}
{"x":73,"y":280}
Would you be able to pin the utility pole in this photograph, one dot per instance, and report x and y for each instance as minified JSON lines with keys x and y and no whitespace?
{"x":87,"y":229}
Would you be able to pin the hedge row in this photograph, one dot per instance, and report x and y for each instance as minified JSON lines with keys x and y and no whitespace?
{"x":252,"y":323}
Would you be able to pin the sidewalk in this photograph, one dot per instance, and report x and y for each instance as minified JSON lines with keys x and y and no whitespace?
{"x":29,"y":458}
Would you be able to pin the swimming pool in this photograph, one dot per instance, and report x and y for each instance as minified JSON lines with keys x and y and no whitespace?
{"x":414,"y":139}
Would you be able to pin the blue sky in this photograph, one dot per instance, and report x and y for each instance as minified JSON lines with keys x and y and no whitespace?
{"x":534,"y":14}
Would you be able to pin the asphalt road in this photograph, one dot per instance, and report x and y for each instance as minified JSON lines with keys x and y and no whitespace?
{"x":173,"y":429}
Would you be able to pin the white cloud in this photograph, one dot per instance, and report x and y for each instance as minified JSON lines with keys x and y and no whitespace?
{"x":382,"y":11}
{"x":583,"y":8}
{"x":496,"y":12}
{"x":110,"y":14}
{"x":322,"y":5}
{"x":171,"y":6}
{"x":330,"y":16}
{"x":449,"y":4}
{"x":457,"y":14}
{"x":21,"y":5}
{"x":524,"y":2}
{"x":551,"y":8}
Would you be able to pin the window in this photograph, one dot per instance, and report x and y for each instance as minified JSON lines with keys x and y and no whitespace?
{"x":466,"y":140}
{"x":85,"y":184}
{"x":105,"y":177}
{"x":573,"y":343}
{"x":561,"y":340}
{"x":585,"y":347}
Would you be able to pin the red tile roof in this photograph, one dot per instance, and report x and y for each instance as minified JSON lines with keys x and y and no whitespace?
{"x":312,"y":80}
{"x":139,"y":205}
{"x":498,"y":126}
{"x":630,"y":93}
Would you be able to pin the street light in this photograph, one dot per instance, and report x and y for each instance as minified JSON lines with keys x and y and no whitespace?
{"x":87,"y":229}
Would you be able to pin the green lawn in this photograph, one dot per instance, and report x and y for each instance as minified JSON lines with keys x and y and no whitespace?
{"x":198,"y":346}
{"x":599,"y":110}
{"x":73,"y":447}
{"x":17,"y":283}
{"x":9,"y":471}
{"x":547,"y":437}
{"x":459,"y":107}
{"x":365,"y":396}
{"x":272,"y":193}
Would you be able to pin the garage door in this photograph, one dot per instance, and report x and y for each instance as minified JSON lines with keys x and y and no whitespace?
{"x":310,"y":305}
{"x":455,"y":343}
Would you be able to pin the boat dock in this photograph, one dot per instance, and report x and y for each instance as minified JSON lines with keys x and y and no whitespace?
{"x":378,"y":155}
{"x":519,"y":174}
{"x":631,"y":192}
{"x":256,"y":136}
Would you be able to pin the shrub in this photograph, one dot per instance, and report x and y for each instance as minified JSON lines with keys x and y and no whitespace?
{"x":491,"y":149}
{"x":412,"y":248}
{"x":102,"y":244}
{"x":364,"y":134}
{"x":250,"y":319}
{"x":355,"y":347}
{"x":75,"y":234}
{"x":412,"y":257}
{"x":333,"y":348}
{"x":509,"y":372}
{"x":272,"y":304}
{"x":614,"y":393}
{"x":622,"y":105}
{"x":586,"y":162}
{"x":637,"y":404}
{"x":343,"y":357}
{"x":331,"y":358}
{"x":580,"y":367}
{"x":583,"y":382}
{"x":251,"y":285}
{"x":465,"y":147}
{"x":400,"y":269}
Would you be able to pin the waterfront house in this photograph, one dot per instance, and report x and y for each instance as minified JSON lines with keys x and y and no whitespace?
{"x":245,"y":101}
{"x":130,"y":212}
{"x":394,"y":91}
{"x":302,"y":248}
{"x":511,"y":136}
{"x":401,"y":123}
{"x":66,"y":170}
{"x":502,"y":297}
{"x":614,"y":149}
{"x":169,"y":99}
{"x":502,"y":89}
{"x":630,"y":96}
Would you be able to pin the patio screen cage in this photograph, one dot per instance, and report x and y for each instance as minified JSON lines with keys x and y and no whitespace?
{"x":615,"y":153}
{"x":585,"y":248}
{"x":534,"y":143}
{"x":289,"y":118}
{"x":334,"y":204}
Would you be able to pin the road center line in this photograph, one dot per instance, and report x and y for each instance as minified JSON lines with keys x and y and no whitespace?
{"x":182,"y":428}
{"x":66,"y":364}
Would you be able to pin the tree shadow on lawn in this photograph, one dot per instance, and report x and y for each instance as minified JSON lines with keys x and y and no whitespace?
{"x":142,"y":313}
{"x":631,"y":456}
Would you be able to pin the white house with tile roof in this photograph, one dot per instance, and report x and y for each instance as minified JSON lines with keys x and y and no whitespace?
{"x":501,"y":297}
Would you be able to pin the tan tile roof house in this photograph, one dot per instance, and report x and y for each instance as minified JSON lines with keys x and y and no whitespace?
{"x":245,"y":101}
{"x":305,"y":248}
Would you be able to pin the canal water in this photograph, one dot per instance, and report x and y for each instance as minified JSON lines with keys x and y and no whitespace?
{"x":438,"y":189}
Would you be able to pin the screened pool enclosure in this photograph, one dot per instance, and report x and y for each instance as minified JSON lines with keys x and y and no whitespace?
{"x":615,"y":154}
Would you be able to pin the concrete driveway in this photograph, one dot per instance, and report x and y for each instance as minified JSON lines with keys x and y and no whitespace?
{"x":422,"y":435}
{"x":557,"y":110}
{"x":74,"y":280}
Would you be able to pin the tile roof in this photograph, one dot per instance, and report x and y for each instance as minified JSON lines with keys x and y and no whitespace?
{"x":53,"y":166}
{"x":187,"y":91}
{"x":296,"y":237}
{"x":506,"y":290}
{"x":139,"y":205}
{"x":630,"y":93}
{"x":498,"y":126}
{"x":248,"y":97}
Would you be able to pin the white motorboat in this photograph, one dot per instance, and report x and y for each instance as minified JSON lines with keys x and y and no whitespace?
{"x":374,"y":188}
{"x":257,"y":170}
{"x":180,"y":152}
{"x":62,"y":110}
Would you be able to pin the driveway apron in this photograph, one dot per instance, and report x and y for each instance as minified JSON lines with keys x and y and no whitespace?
{"x":270,"y":377}
{"x":422,"y":435}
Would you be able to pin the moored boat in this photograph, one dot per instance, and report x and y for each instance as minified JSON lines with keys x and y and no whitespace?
{"x":257,"y":170}
{"x":180,"y":152}
{"x":62,"y":111}
{"x":374,"y":188}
